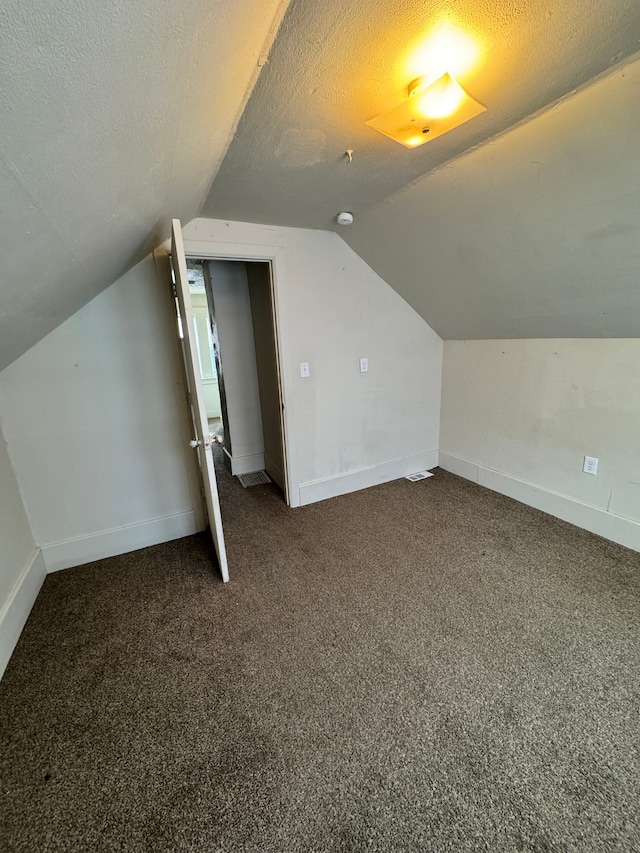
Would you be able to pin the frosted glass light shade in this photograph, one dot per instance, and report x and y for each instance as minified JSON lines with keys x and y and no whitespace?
{"x":429,"y":111}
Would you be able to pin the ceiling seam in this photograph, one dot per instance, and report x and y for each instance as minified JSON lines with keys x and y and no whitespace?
{"x":269,"y":41}
{"x":302,"y":79}
{"x":186,"y":88}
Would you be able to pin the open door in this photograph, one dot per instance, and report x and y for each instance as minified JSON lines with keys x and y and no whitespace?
{"x":202,"y":441}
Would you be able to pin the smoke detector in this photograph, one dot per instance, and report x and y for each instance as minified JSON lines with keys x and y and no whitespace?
{"x":344,"y":218}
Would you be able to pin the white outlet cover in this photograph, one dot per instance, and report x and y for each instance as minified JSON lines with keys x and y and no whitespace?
{"x":364,"y":365}
{"x":590,"y":465}
{"x":305,"y":370}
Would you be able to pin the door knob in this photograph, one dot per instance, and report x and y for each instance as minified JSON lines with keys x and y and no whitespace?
{"x":194,"y":443}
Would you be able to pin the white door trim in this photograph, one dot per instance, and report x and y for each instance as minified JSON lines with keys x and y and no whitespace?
{"x":211,"y":250}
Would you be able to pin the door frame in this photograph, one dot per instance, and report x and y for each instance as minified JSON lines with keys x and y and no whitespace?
{"x":205,"y":250}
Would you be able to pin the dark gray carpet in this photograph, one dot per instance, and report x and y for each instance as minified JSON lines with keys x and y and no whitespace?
{"x":423,"y":666}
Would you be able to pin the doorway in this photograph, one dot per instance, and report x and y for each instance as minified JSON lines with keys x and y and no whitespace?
{"x":204,"y":344}
{"x":236,"y":334}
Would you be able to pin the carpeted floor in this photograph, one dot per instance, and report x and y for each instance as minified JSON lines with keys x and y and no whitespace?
{"x":425,"y":666}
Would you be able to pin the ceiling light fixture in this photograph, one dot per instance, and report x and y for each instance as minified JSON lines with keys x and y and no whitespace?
{"x":431,"y":109}
{"x":446,"y":47}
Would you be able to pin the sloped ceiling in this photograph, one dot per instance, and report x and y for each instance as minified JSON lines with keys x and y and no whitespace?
{"x":115,"y":117}
{"x":459,"y":244}
{"x":536,"y":234}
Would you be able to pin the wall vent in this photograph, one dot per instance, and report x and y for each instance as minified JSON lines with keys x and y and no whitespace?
{"x":255,"y":478}
{"x":420,"y":475}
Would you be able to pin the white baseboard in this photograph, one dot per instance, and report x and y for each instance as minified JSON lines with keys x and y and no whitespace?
{"x":120,"y":540}
{"x":618,"y":529}
{"x":245,"y":464}
{"x":16,"y":609}
{"x":363,"y":478}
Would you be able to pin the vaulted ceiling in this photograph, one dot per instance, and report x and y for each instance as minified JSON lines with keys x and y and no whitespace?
{"x":535,"y":234}
{"x":524,"y":222}
{"x":335,"y":65}
{"x":117,"y":117}
{"x":114,"y":117}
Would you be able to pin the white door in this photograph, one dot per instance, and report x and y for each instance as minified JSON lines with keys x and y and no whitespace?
{"x":202,"y":441}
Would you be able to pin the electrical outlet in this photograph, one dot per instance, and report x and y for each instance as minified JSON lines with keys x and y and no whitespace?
{"x":364,"y":365}
{"x":304,"y":369}
{"x":590,"y":465}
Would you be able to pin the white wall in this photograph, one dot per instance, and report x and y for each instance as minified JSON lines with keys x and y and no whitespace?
{"x":95,"y":421}
{"x":345,"y":430}
{"x":243,"y":440}
{"x":21,"y":568}
{"x":519,"y":415}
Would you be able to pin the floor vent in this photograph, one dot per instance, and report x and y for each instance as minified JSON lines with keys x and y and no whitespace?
{"x":255,"y":478}
{"x":420,"y":475}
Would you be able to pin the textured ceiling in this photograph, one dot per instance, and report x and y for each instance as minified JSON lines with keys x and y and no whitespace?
{"x":335,"y":65}
{"x":115,"y":117}
{"x":536,"y":234}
